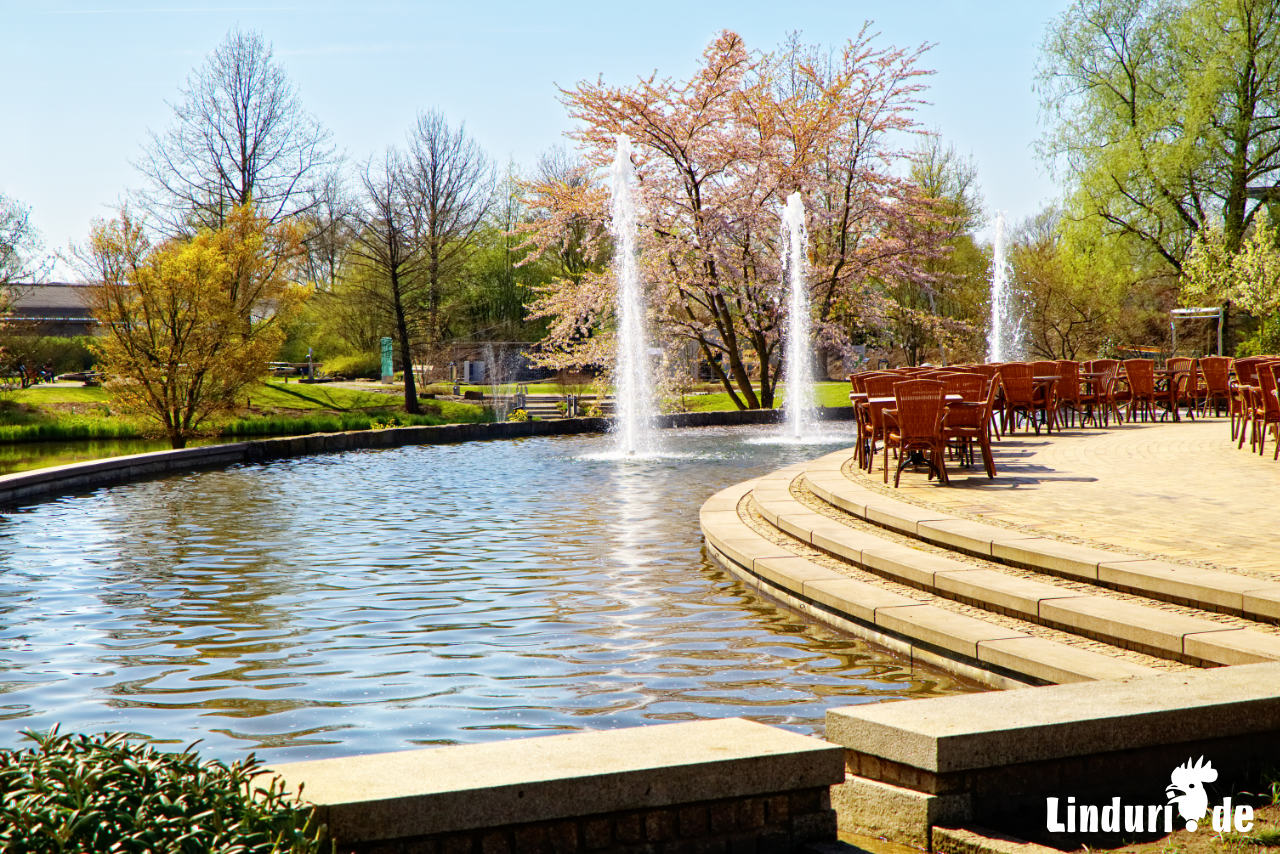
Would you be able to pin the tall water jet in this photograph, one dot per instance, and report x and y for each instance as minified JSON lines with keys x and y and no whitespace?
{"x":798,"y":408}
{"x":634,"y":409}
{"x":1004,"y":337}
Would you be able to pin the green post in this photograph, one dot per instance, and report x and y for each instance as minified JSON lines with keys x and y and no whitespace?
{"x":388,"y":370}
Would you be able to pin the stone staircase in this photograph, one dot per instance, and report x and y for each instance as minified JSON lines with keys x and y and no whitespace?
{"x":997,"y":604}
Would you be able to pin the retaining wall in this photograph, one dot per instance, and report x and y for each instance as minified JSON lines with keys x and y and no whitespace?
{"x":715,"y":786}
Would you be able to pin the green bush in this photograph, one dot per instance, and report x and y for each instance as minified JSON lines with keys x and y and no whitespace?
{"x":361,"y":365}
{"x":64,"y":355}
{"x":79,"y":793}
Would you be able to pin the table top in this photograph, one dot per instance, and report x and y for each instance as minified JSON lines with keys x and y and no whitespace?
{"x":951,"y":398}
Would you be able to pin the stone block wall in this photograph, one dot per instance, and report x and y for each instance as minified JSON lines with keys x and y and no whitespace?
{"x":768,"y":824}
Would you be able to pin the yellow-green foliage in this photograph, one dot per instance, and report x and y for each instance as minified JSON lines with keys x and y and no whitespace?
{"x":189,"y":324}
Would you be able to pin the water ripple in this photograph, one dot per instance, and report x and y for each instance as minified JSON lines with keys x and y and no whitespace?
{"x":376,"y":600}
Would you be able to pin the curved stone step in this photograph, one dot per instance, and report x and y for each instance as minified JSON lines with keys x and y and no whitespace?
{"x":1207,"y":589}
{"x":927,"y":632}
{"x":1146,"y":628}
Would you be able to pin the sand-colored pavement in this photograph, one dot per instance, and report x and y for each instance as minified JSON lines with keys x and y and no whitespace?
{"x":1177,"y":490}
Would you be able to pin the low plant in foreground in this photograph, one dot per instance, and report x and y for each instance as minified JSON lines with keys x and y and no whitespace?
{"x":104,"y":793}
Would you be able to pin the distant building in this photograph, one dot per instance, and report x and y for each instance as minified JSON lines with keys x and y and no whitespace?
{"x":56,"y":308}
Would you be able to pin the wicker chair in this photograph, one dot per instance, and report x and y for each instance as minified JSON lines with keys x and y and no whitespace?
{"x":873,"y":426}
{"x":970,"y":421}
{"x":1140,"y":377}
{"x":1216,"y":371}
{"x":1068,"y":387}
{"x":1181,"y":386}
{"x":915,"y":424}
{"x":1242,"y":396}
{"x":1019,"y":395}
{"x":1266,"y":410}
{"x":1107,"y":388}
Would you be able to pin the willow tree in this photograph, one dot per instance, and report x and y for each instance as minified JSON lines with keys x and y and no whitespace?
{"x":189,"y":324}
{"x":716,"y":157}
{"x":1163,"y":114}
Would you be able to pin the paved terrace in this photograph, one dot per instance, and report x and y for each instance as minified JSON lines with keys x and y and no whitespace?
{"x":1178,"y":490}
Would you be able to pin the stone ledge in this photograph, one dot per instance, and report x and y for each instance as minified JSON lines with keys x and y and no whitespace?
{"x":449,"y":789}
{"x":978,"y":731}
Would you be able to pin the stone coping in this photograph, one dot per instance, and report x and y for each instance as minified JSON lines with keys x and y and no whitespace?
{"x":422,"y":792}
{"x":980,"y":731}
{"x":962,"y":644}
{"x":43,"y":483}
{"x":1146,"y":628}
{"x":1212,"y":590}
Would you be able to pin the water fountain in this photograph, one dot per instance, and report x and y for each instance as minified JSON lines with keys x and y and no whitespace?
{"x":634,"y":408}
{"x":1004,"y":338}
{"x":798,"y":408}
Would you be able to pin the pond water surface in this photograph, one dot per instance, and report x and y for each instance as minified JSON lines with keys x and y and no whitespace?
{"x":378,"y":600}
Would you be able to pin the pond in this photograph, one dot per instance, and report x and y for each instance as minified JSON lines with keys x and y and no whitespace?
{"x":379,"y":600}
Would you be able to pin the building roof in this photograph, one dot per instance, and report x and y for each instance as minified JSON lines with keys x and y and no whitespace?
{"x":52,"y":300}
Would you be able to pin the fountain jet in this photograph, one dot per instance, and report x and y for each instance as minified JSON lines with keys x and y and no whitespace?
{"x":1004,"y":337}
{"x":798,"y":408}
{"x":634,"y":408}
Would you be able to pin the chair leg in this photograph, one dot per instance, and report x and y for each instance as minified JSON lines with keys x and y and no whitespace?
{"x":988,"y":462}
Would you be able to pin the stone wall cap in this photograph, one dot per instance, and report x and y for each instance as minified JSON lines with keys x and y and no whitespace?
{"x":418,"y":792}
{"x":974,"y":731}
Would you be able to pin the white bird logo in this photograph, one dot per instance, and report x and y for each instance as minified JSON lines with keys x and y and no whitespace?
{"x":1189,"y":779}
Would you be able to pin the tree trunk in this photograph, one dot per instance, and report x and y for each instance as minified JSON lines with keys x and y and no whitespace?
{"x":411,"y":405}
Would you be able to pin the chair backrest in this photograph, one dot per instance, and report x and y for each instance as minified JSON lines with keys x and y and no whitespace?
{"x":858,"y":381}
{"x":1044,"y":368}
{"x":970,"y":386}
{"x":1018,"y":386}
{"x":881,"y":385}
{"x":1216,"y":371}
{"x":921,"y":405}
{"x":1141,"y":374}
{"x":1188,"y":376}
{"x":1247,"y":370}
{"x":1267,"y":381}
{"x":1068,"y":380}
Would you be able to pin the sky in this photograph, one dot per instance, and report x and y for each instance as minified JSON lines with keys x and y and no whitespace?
{"x":86,"y":82}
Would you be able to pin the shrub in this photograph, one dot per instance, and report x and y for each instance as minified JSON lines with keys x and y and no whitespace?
{"x":362,"y":365}
{"x":518,"y":415}
{"x":79,"y":793}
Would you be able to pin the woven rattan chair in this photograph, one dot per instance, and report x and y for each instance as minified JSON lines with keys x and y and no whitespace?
{"x":969,"y":421}
{"x":1181,"y":386}
{"x":1107,"y":388}
{"x":915,"y":424}
{"x":1019,"y":395}
{"x":1140,"y":378}
{"x":1242,"y":396}
{"x":873,"y":428}
{"x":1216,"y":371}
{"x":1068,"y":387}
{"x":1266,"y":410}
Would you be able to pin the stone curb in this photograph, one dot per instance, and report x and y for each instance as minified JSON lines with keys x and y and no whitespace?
{"x":1209,"y":590}
{"x":959,"y":643}
{"x":1126,"y":624}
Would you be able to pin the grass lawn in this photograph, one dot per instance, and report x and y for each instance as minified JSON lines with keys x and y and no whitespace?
{"x":829,"y":394}
{"x":73,"y":413}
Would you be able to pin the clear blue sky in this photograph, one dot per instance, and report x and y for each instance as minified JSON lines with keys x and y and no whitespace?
{"x":84,"y":81}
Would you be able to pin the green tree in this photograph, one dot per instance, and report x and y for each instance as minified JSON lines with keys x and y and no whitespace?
{"x":1163,"y":113}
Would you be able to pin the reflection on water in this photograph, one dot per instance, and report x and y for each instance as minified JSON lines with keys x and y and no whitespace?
{"x":378,"y":600}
